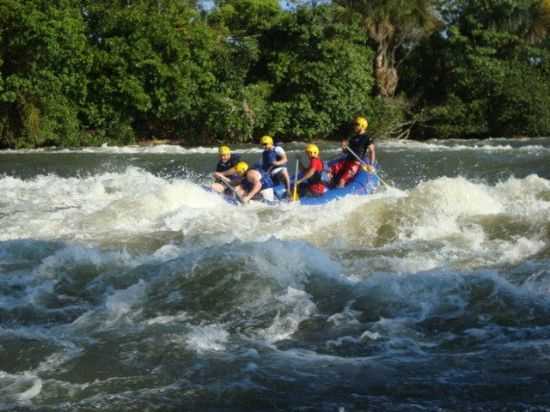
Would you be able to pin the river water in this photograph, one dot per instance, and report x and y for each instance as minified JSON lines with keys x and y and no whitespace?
{"x":124,"y":286}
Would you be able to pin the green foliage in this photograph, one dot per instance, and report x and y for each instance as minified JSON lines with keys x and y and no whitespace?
{"x":247,"y":17}
{"x":152,"y":69}
{"x":388,"y":118}
{"x":394,"y":27}
{"x":487,"y":78}
{"x":320,"y":72}
{"x":297,"y":75}
{"x":515,"y":111}
{"x":44,"y":63}
{"x":235,"y":118}
{"x":80,"y":72}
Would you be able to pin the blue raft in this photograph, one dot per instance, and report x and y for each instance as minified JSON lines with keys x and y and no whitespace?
{"x":362,"y":184}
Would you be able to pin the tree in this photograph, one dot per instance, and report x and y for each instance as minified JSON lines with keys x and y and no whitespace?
{"x":153,"y":69}
{"x":239,"y":106}
{"x":44,"y":63}
{"x":528,"y":19}
{"x":316,"y":66}
{"x":395,"y":26}
{"x":483,"y":76}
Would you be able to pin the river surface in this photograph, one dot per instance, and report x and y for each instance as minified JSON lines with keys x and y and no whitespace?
{"x":124,"y":286}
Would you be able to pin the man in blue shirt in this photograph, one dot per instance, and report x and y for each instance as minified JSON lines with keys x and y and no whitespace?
{"x":274,"y":160}
{"x":225,"y":170}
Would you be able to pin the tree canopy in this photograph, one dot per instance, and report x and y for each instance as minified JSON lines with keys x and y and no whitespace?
{"x":81,"y":72}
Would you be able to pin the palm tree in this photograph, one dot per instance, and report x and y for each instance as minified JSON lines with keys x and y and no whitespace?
{"x":395,"y":26}
{"x":539,"y":25}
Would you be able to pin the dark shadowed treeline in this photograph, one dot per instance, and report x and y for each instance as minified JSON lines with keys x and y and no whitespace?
{"x":81,"y":72}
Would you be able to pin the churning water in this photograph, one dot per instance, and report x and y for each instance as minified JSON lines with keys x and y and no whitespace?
{"x":124,"y":286}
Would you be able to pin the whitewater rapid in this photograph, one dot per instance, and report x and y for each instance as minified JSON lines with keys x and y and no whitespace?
{"x":459,"y":214}
{"x":126,"y":288}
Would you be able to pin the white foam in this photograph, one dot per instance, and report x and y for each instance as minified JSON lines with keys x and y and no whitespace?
{"x":33,"y":391}
{"x":98,"y":206}
{"x":207,"y":338}
{"x":131,"y":149}
{"x":66,"y":259}
{"x":120,"y":305}
{"x":414,"y":262}
{"x":529,"y":197}
{"x":368,"y":335}
{"x":115,"y":207}
{"x":166,"y":320}
{"x":435,"y":207}
{"x":122,"y":308}
{"x":442,"y":222}
{"x":342,"y":340}
{"x":284,"y":325}
{"x":494,"y":145}
{"x":19,"y":388}
{"x":290,"y":263}
{"x":354,"y":340}
{"x":539,"y":281}
{"x":347,"y":317}
{"x":167,"y":252}
{"x":519,"y":249}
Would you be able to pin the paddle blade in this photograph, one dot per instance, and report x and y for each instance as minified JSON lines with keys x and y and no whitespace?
{"x":368,"y":168}
{"x":295,"y":196}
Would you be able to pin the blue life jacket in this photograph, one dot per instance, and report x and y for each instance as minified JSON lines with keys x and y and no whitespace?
{"x":265,"y":180}
{"x":268,"y":158}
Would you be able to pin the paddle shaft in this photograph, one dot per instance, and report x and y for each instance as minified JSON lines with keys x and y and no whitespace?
{"x":295,"y":191}
{"x":228,"y":185}
{"x":363,"y":163}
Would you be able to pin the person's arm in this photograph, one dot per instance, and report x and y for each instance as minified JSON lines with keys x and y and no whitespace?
{"x":345,"y":144}
{"x":257,"y":186}
{"x":283,"y":160}
{"x":229,"y":172}
{"x":223,"y":175}
{"x":310,"y":172}
{"x":371,"y":153}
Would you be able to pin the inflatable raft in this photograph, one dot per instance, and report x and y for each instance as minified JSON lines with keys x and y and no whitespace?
{"x":362,"y":184}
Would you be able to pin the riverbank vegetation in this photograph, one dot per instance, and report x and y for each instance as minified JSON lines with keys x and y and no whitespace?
{"x":86,"y":72}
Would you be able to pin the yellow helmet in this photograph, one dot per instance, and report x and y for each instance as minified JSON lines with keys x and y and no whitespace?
{"x":268,"y":140}
{"x":241,"y":168}
{"x":312,"y":150}
{"x":224,"y":150}
{"x":361,"y":122}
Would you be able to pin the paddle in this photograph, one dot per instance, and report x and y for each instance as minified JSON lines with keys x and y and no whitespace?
{"x":225,"y":181}
{"x":295,"y":196}
{"x":366,"y":167}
